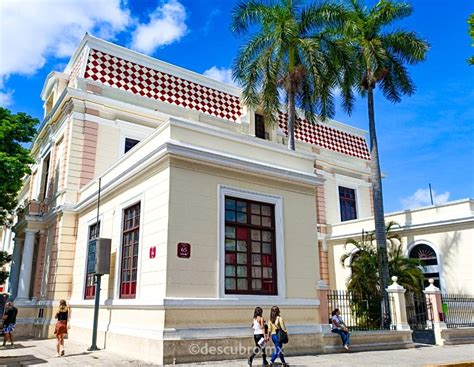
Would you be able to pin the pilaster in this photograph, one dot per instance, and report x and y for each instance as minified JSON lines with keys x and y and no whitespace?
{"x":398,"y":306}
{"x":26,"y":265}
{"x":433,"y":295}
{"x":15,"y":267}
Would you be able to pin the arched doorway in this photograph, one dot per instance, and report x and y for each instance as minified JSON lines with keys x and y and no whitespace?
{"x":429,"y":262}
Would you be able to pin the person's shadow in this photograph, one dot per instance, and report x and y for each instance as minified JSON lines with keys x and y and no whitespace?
{"x":17,"y":346}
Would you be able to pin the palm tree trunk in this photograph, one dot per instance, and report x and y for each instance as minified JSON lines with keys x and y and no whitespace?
{"x":380,"y":236}
{"x":291,"y":118}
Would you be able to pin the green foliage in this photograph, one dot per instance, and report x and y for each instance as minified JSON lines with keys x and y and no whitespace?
{"x":364,"y":283}
{"x":364,"y":280}
{"x":293,"y":53}
{"x":15,"y":130}
{"x":5,"y":258}
{"x":380,"y":54}
{"x":470,"y":22}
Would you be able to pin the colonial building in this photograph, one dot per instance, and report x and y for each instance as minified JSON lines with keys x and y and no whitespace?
{"x":208,"y":211}
{"x":440,"y":236}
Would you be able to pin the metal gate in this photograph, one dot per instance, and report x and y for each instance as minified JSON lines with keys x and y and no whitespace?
{"x":420,"y":317}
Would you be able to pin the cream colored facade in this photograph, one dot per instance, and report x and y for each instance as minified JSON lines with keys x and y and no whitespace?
{"x":186,"y":163}
{"x":448,"y":229}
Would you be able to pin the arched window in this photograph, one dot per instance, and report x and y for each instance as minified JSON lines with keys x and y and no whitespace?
{"x":428,"y":260}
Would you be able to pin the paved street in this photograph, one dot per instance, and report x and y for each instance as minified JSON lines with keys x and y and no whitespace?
{"x":41,"y":352}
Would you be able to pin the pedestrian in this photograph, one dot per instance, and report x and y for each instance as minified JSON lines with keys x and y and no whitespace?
{"x":260,"y":336}
{"x":276,"y":323}
{"x":9,"y":322}
{"x":338,"y":327}
{"x":61,"y":326}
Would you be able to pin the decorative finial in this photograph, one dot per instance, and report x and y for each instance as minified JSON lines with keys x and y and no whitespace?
{"x":431,"y":280}
{"x":394,"y":279}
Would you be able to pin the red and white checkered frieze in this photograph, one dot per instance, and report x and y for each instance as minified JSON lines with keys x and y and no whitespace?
{"x":327,"y":137}
{"x":129,"y":76}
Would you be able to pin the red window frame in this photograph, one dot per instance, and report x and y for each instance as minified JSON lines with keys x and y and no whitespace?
{"x":250,"y":265}
{"x":347,"y":203}
{"x":89,"y":289}
{"x":129,"y":255}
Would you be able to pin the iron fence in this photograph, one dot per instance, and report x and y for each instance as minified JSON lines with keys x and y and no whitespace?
{"x":458,"y":310}
{"x":359,"y":313}
{"x":419,"y":311}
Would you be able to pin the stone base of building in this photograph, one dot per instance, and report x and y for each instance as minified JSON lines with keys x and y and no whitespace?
{"x":458,"y":336}
{"x":228,"y":348}
{"x":120,"y":332}
{"x":369,"y":341}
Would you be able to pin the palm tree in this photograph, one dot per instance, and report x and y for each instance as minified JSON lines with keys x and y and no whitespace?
{"x":293,"y":55}
{"x":364,"y":283}
{"x":381,"y":57}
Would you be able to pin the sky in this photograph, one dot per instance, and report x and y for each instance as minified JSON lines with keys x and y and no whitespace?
{"x":427,"y":138}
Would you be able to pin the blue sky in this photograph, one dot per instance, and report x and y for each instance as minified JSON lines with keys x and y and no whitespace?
{"x":427,"y":138}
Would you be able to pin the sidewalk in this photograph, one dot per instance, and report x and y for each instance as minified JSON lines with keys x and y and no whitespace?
{"x":421,"y":356}
{"x":42,"y":352}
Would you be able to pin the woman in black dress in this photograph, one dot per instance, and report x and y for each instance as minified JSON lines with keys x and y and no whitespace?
{"x":61,"y":326}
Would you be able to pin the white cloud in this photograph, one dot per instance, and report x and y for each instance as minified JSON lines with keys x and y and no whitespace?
{"x":6,"y":98}
{"x":422,"y":198}
{"x":33,"y":31}
{"x":166,"y":25}
{"x":221,"y":74}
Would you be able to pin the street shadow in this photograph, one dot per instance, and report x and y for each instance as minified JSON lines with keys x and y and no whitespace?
{"x":23,"y":360}
{"x":77,"y":354}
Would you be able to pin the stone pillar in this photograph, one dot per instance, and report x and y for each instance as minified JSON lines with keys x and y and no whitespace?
{"x":323,"y":290}
{"x":15,"y":267}
{"x":398,"y":308}
{"x":433,"y":295}
{"x":26,"y":265}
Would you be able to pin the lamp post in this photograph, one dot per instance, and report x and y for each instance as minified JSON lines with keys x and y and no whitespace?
{"x":96,"y":313}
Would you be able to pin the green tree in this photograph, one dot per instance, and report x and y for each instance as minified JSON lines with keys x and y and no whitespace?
{"x":364,"y":283}
{"x":5,"y":258}
{"x":381,"y":54}
{"x":292,"y":54}
{"x":15,"y":130}
{"x":470,"y":23}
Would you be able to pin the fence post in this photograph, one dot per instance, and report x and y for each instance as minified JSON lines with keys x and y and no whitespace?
{"x":433,"y":295}
{"x":323,"y":290}
{"x":398,"y":309}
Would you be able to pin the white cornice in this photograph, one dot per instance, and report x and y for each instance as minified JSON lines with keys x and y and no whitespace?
{"x":241,"y":163}
{"x":411,"y":227}
{"x":49,"y":82}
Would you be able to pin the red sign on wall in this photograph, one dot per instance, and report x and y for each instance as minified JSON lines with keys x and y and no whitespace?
{"x":152,"y":252}
{"x":184,"y":250}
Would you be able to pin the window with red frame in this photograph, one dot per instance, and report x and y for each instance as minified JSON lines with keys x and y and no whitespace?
{"x":347,"y":203}
{"x":129,"y":263}
{"x":250,"y":250}
{"x":89,"y":291}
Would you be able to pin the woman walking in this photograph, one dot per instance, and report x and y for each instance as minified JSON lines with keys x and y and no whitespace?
{"x":259,"y":336}
{"x":61,"y":326}
{"x":338,"y":326}
{"x":276,"y":323}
